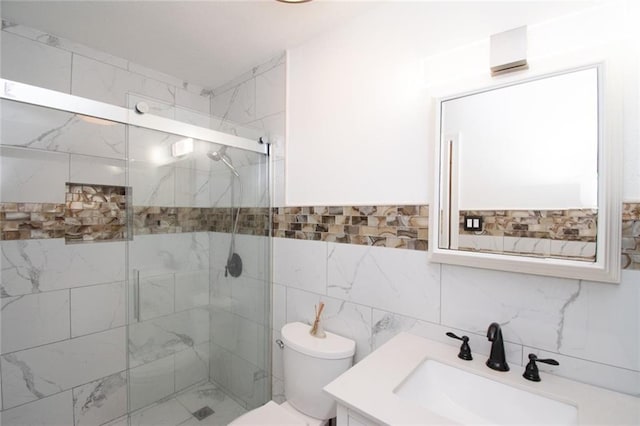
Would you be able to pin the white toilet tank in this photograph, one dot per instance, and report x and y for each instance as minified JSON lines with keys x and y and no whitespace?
{"x":310,"y":364}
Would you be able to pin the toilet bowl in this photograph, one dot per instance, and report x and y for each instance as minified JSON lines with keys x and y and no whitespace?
{"x":309,"y":364}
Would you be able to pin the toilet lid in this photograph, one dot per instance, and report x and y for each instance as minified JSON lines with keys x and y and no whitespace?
{"x":269,"y":414}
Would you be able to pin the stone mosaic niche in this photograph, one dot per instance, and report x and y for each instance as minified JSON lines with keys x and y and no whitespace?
{"x":95,"y":213}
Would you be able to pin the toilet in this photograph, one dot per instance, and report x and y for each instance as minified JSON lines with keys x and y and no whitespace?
{"x":310,"y":363}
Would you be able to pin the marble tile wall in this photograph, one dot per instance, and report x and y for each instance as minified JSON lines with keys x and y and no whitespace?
{"x":373,"y":293}
{"x":64,"y":350}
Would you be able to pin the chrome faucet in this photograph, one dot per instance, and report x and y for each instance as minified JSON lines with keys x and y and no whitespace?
{"x":497,"y":359}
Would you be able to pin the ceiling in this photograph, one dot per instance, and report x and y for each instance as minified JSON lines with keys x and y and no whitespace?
{"x":203,"y":42}
{"x":211,"y":42}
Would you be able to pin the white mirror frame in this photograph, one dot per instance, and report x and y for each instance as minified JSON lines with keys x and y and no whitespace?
{"x":606,"y":268}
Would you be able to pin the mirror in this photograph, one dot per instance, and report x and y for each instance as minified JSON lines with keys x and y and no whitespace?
{"x":522,"y":178}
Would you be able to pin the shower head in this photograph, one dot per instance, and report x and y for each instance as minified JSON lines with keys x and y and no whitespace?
{"x":220,"y":155}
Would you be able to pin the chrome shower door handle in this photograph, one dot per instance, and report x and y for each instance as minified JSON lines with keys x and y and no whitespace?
{"x":136,"y":295}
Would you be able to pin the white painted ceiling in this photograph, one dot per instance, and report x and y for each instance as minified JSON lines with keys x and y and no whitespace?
{"x":203,"y":42}
{"x":210,"y":42}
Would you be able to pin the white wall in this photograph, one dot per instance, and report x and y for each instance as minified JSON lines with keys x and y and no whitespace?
{"x":359,"y":97}
{"x":357,"y":134}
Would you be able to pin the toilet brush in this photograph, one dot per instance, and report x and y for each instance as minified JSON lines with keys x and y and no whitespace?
{"x":316,"y":329}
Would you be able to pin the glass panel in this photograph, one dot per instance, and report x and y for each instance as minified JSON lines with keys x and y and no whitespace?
{"x":198,"y":271}
{"x":162,"y":321}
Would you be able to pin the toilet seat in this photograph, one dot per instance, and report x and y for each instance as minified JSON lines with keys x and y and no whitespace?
{"x":269,"y":414}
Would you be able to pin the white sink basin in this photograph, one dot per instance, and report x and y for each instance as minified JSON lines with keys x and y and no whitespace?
{"x":468,"y":398}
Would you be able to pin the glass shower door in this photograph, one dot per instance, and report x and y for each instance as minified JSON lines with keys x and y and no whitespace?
{"x":189,"y":325}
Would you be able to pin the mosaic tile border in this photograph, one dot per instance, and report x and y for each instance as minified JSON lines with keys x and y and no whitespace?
{"x":566,"y":225}
{"x":396,"y":226}
{"x":167,"y":220}
{"x":631,"y":235}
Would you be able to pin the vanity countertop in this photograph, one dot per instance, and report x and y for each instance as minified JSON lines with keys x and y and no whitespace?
{"x":368,"y":387}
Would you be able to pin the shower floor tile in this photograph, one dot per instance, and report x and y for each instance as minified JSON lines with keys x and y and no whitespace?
{"x":179,"y":409}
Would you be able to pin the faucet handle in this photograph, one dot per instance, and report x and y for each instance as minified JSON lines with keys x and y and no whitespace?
{"x":465,"y":350}
{"x":531,"y":370}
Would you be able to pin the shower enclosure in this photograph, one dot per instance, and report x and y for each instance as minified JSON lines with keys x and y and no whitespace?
{"x":135,"y":266}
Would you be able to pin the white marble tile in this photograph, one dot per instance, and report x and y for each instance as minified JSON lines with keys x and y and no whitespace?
{"x":538,"y":246}
{"x":64,"y":44}
{"x":581,"y":249}
{"x":403,"y":279}
{"x":35,"y":63}
{"x":220,"y":295}
{"x":193,"y":117}
{"x":194,"y":101}
{"x":279,"y":306}
{"x":164,"y":336}
{"x":151,"y":146}
{"x":220,"y":366}
{"x":167,"y":253}
{"x":301,"y":305}
{"x":481,"y":242}
{"x":236,"y":104}
{"x":100,"y":401}
{"x":278,"y":188}
{"x":593,"y":373}
{"x":34,"y":319}
{"x":266,"y":66}
{"x":121,"y":421}
{"x":530,"y":308}
{"x":97,"y":308}
{"x":192,"y":365}
{"x":35,"y":373}
{"x":351,"y":321}
{"x":31,"y":266}
{"x":219,"y":249}
{"x":96,"y":170}
{"x":220,"y":189}
{"x":236,"y":334}
{"x":233,"y":128}
{"x":273,"y":130}
{"x":387,"y":324}
{"x":254,"y":251}
{"x":152,"y":185}
{"x":36,"y":127}
{"x":157,"y":296}
{"x":277,"y":368}
{"x":150,"y":383}
{"x":277,"y":391}
{"x":192,"y":188}
{"x":600,"y":320}
{"x":270,"y":92}
{"x":56,"y":410}
{"x":154,"y":74}
{"x":250,"y":299}
{"x":169,"y":413}
{"x":248,"y":382}
{"x":106,"y":83}
{"x":32,"y":176}
{"x":156,"y":107}
{"x":191,"y":289}
{"x":225,"y":408}
{"x":300,"y":264}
